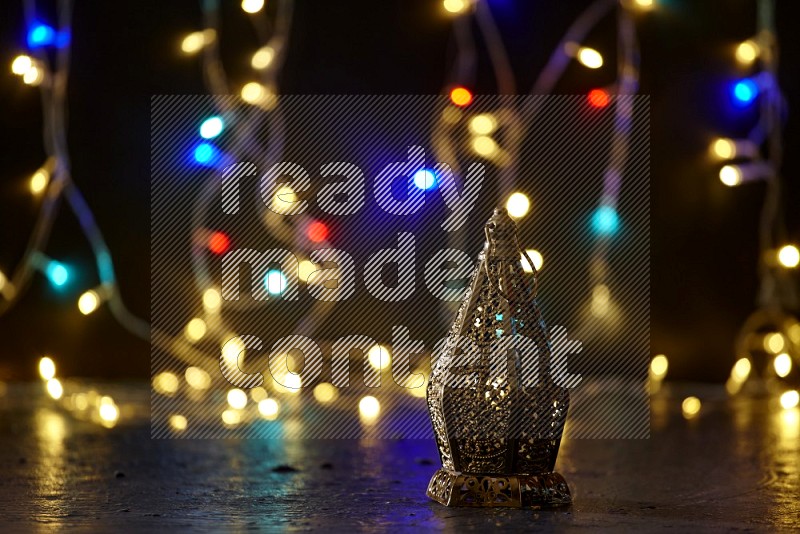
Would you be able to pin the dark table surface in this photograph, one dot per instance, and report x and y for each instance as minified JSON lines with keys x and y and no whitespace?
{"x":734,"y":466}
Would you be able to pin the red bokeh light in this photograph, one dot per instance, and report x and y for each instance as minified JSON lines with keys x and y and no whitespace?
{"x":599,"y":98}
{"x":218,"y":243}
{"x":460,"y":96}
{"x":317,"y":232}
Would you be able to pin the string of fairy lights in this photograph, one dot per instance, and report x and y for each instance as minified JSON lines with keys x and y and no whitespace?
{"x":52,"y":182}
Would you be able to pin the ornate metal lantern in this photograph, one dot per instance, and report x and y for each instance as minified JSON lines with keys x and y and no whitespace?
{"x":496,"y":412}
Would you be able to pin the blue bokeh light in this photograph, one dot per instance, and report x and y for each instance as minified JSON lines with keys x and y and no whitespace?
{"x":744,"y":92}
{"x":40,"y":35}
{"x":57,"y":273}
{"x":275,"y":282}
{"x":211,"y":127}
{"x":605,"y":221}
{"x":206,"y":154}
{"x":424,"y":179}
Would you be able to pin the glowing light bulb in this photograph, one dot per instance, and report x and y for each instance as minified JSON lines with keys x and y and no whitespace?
{"x":237,"y":399}
{"x":33,"y":76}
{"x":369,"y":407}
{"x":262,"y":58}
{"x":379,"y":357}
{"x":88,"y":302}
{"x":197,"y":378}
{"x":730,"y":175}
{"x":789,"y":256}
{"x":691,"y":407}
{"x":218,"y":243}
{"x":744,"y":92}
{"x":774,"y":342}
{"x":40,"y":35}
{"x":39,"y":181}
{"x":659,"y":366}
{"x":518,"y":205}
{"x":747,"y":52}
{"x":211,"y":127}
{"x":483,"y":124}
{"x":589,"y":57}
{"x":790,"y":399}
{"x":605,"y":221}
{"x":21,"y":65}
{"x":253,"y":92}
{"x":195,"y":41}
{"x":57,"y":273}
{"x":108,"y":412}
{"x":598,"y":98}
{"x":178,"y":422}
{"x":275,"y":282}
{"x":317,"y":232}
{"x":741,"y":370}
{"x":252,"y":6}
{"x":212,"y":301}
{"x":268,"y":408}
{"x":47,"y":368}
{"x":195,"y":329}
{"x":54,"y":388}
{"x":536,"y":258}
{"x":166,"y":383}
{"x":460,"y":96}
{"x":782,"y":364}
{"x":325,"y":392}
{"x":455,"y":6}
{"x":484,"y":145}
{"x":424,"y":179}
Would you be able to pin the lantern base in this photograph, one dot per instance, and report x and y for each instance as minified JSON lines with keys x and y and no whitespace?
{"x":545,"y":490}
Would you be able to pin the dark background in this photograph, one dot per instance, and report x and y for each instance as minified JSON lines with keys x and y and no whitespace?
{"x":704,"y":235}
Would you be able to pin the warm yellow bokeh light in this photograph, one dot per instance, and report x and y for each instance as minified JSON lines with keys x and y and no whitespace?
{"x":258,"y":94}
{"x":268,"y":408}
{"x":379,"y":357}
{"x":262,"y":58}
{"x":741,"y":370}
{"x":601,"y":300}
{"x":730,"y":175}
{"x":108,"y":411}
{"x":304,"y":269}
{"x":252,"y":6}
{"x":455,"y":6}
{"x":39,"y":181}
{"x":589,"y":57}
{"x":644,"y":4}
{"x":325,"y":392}
{"x":195,"y":41}
{"x":88,"y":302}
{"x":195,"y":329}
{"x":21,"y":65}
{"x":34,"y":76}
{"x":258,"y":394}
{"x":537,"y":259}
{"x":691,"y":407}
{"x":212,"y":301}
{"x":483,"y":124}
{"x":283,"y":201}
{"x":484,"y":145}
{"x":178,"y":422}
{"x":789,"y":256}
{"x":724,"y":148}
{"x":47,"y":368}
{"x":790,"y":399}
{"x":232,"y":349}
{"x":166,"y":383}
{"x":369,"y":407}
{"x":518,"y":205}
{"x":420,"y":390}
{"x":231,"y":417}
{"x":774,"y":342}
{"x":237,"y":399}
{"x":782,"y":364}
{"x":197,"y":378}
{"x":747,"y":52}
{"x":54,"y":388}
{"x":659,"y":366}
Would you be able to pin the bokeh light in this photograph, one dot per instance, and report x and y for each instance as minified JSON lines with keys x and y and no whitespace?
{"x":782,"y":365}
{"x":218,"y":242}
{"x":424,"y":179}
{"x":691,"y":407}
{"x":598,"y":98}
{"x":789,"y":256}
{"x":605,"y":221}
{"x":518,"y":205}
{"x":537,"y":259}
{"x":460,"y":96}
{"x":47,"y":368}
{"x":211,"y":127}
{"x":88,"y":302}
